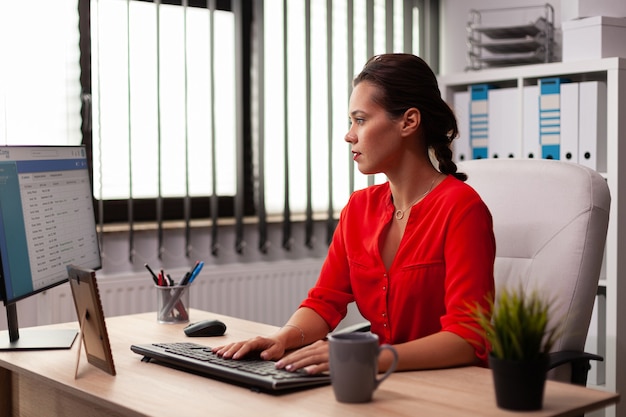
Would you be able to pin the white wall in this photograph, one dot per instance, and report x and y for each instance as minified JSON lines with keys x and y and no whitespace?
{"x":454,"y":17}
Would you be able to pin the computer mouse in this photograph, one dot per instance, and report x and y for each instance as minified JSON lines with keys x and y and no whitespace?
{"x":205,"y":328}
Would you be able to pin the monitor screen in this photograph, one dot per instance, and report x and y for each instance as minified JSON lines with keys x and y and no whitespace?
{"x":47,"y":219}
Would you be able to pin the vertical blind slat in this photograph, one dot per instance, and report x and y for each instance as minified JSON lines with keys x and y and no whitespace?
{"x":186,"y":200}
{"x":389,"y":26}
{"x":407,"y":21}
{"x":426,"y":28}
{"x":330,"y":221}
{"x":131,"y":201}
{"x":308,"y":227}
{"x":287,"y":239}
{"x":350,"y":54}
{"x":100,"y":186}
{"x":99,"y":121}
{"x":214,"y":195}
{"x":159,"y":200}
{"x":369,"y":29}
{"x":260,"y":108}
{"x":239,"y":197}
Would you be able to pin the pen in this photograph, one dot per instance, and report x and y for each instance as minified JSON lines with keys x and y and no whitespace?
{"x":154,"y":277}
{"x":184,"y":283}
{"x":199,"y":264}
{"x":195,"y":272}
{"x":188,"y":275}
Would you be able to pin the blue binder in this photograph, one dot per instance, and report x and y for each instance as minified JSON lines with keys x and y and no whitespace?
{"x":479,"y":120}
{"x":550,"y":117}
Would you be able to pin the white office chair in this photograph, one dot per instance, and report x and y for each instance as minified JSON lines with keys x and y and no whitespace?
{"x":550,"y":223}
{"x":550,"y":220}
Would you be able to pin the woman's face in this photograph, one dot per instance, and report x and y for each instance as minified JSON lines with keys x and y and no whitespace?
{"x":375,"y":138}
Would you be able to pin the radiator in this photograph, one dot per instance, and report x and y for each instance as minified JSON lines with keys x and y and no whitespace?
{"x":267,"y":292}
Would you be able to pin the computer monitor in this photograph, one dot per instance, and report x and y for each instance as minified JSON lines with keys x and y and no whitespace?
{"x":47,"y":222}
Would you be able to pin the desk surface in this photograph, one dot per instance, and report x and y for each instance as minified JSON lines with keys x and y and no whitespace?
{"x":43,"y":383}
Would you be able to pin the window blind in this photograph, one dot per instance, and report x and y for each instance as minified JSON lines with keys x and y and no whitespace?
{"x":308,"y":53}
{"x":169,"y":96}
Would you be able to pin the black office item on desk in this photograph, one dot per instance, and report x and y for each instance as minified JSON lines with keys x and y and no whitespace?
{"x":255,"y":374}
{"x":205,"y":328}
{"x":47,"y":222}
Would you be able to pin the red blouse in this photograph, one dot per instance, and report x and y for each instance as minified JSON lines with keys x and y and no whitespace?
{"x":444,"y":263}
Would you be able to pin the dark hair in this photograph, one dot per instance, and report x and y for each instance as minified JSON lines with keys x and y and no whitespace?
{"x":406,"y":81}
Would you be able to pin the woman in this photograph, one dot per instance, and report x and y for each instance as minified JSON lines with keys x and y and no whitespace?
{"x":414,"y":252}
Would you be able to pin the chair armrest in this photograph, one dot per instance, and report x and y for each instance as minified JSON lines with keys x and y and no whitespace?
{"x":353,"y":328}
{"x":579,"y":362}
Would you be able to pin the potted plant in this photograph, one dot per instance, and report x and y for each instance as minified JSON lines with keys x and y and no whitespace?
{"x":519,"y":335}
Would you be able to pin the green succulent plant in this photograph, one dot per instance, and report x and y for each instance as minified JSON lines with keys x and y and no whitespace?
{"x":516,"y":325}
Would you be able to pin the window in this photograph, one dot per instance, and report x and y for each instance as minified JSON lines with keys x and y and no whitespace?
{"x":200,"y":109}
{"x":40,"y":90}
{"x":164,"y":107}
{"x":152,"y":85}
{"x":312,"y":52}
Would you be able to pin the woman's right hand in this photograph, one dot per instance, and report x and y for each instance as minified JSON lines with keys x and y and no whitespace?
{"x":269,"y":348}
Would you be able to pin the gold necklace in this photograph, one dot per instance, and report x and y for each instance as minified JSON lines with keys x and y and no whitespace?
{"x":399,"y":214}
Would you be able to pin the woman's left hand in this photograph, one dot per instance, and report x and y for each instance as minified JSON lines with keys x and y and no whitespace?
{"x":312,"y":358}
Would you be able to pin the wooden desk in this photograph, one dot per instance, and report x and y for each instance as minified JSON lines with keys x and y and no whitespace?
{"x":41,"y":383}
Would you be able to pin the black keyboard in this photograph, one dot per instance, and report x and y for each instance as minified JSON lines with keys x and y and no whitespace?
{"x":256,"y":374}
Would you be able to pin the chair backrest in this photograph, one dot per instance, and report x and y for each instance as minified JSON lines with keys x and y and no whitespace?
{"x":550,"y":223}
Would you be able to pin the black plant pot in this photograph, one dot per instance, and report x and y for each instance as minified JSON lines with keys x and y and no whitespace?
{"x":519,"y":384}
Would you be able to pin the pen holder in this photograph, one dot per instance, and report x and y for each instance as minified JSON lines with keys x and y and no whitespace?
{"x":172,"y":304}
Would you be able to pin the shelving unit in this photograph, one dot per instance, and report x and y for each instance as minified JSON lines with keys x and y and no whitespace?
{"x":492,"y":45}
{"x":611,"y":71}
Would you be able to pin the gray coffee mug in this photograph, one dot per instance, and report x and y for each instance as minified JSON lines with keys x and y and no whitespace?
{"x":354,"y":365}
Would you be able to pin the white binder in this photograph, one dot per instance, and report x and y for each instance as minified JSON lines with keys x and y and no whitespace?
{"x":461,"y":145}
{"x":530,"y":124}
{"x":504,"y":122}
{"x":569,"y":122}
{"x":592,"y":125}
